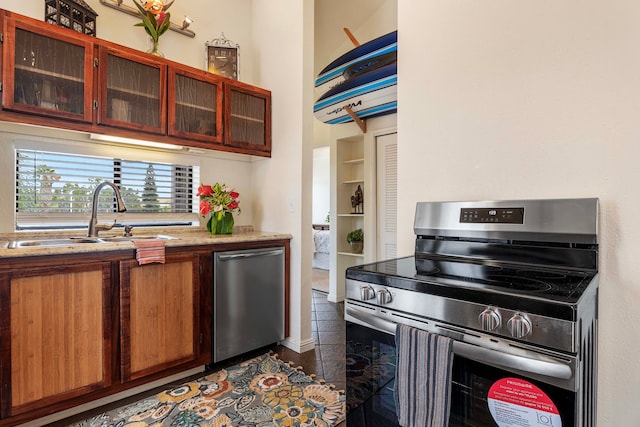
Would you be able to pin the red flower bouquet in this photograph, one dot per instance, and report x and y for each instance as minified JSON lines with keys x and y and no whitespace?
{"x":219,"y":201}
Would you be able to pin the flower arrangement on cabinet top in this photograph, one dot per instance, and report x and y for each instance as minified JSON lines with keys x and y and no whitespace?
{"x":219,"y":201}
{"x":155,"y":19}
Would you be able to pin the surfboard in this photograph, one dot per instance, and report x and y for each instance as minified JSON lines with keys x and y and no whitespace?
{"x":369,"y":94}
{"x":368,"y":54}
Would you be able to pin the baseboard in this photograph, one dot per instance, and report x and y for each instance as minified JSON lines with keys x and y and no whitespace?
{"x":299,"y":347}
{"x":334,"y":298}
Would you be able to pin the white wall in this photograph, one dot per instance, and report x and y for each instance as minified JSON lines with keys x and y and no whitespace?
{"x":525,"y":99}
{"x":282,"y":184}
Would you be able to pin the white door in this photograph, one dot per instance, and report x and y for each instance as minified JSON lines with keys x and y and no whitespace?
{"x":387,"y":195}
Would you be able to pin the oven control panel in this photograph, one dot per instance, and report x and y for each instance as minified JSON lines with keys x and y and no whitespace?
{"x":498,"y":321}
{"x":492,"y":215}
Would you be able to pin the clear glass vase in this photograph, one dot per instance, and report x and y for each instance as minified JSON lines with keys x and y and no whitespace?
{"x":153,"y":50}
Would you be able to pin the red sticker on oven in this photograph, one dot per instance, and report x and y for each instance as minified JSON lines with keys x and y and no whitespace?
{"x":514,"y":402}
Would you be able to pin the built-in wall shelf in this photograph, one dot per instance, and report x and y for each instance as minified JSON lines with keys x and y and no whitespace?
{"x":351,"y":162}
{"x":351,"y":254}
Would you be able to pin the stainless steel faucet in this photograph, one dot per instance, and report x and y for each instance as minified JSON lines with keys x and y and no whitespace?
{"x":94,"y":227}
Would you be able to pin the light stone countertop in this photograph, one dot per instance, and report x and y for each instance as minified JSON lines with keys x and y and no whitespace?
{"x":180,"y":236}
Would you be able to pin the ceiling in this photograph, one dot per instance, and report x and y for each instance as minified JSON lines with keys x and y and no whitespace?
{"x":331,"y":16}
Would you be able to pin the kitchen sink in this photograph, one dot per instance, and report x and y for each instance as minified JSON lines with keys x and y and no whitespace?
{"x":51,"y":242}
{"x":74,"y":241}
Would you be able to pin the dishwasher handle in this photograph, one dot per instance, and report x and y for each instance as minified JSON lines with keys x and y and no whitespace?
{"x":250,"y":254}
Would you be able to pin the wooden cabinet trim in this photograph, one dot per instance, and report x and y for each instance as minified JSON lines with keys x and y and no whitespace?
{"x":14,"y":22}
{"x":103,"y":68}
{"x":229,"y":88}
{"x":5,"y":347}
{"x":126,"y":267}
{"x":173,"y":72}
{"x":9,"y":407}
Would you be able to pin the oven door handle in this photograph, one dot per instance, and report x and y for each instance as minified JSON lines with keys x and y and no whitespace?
{"x":513,"y":361}
{"x":477,"y":353}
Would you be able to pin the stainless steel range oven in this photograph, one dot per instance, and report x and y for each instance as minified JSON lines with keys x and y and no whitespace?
{"x":514,"y":284}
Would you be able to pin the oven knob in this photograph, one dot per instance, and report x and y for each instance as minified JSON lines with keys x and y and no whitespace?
{"x":384,"y":297}
{"x":367,"y":293}
{"x":489,"y":319}
{"x":519,"y":325}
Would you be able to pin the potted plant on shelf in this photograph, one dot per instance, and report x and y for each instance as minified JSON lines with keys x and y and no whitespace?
{"x":355,"y":239}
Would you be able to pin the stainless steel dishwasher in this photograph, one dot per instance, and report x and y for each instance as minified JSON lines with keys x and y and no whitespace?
{"x":248,"y":300}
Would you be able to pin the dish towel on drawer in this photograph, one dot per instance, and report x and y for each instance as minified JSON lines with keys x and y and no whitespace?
{"x":423,"y":378}
{"x":148,"y":251}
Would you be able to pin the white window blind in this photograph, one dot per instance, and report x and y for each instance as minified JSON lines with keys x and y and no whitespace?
{"x":55,"y":190}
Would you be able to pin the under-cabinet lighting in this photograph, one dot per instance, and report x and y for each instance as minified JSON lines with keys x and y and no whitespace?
{"x":131,"y":141}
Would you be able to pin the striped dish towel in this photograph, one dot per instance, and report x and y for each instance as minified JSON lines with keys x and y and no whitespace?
{"x":148,"y":251}
{"x":423,"y":378}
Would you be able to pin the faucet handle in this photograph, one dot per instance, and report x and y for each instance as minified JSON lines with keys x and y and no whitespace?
{"x":127,"y":231}
{"x":104,"y":226}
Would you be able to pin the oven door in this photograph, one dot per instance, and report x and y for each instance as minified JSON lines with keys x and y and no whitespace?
{"x":484,"y":393}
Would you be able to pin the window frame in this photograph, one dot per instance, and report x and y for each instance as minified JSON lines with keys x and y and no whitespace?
{"x":70,"y":221}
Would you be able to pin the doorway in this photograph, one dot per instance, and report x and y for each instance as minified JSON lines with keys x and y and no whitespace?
{"x":320,"y":197}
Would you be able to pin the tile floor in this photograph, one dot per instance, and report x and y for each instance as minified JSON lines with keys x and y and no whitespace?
{"x":327,"y":359}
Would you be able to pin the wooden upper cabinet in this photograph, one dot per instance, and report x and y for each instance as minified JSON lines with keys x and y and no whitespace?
{"x":55,"y":77}
{"x":195,"y":105}
{"x":247,"y":117}
{"x":159,"y":316}
{"x":58,"y":323}
{"x":46,"y":72}
{"x":132,"y":90}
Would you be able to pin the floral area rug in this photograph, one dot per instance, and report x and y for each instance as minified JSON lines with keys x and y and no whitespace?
{"x":261,"y":392}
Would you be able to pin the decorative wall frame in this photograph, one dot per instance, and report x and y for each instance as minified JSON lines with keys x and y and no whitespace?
{"x":222,"y":57}
{"x":74,"y":14}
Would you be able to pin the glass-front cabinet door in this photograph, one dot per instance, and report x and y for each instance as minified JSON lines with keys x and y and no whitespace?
{"x":195,"y":105}
{"x":132,"y":91}
{"x":46,"y":72}
{"x":247,"y":117}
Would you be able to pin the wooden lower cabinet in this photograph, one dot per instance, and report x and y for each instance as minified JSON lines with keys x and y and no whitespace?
{"x":73,"y":330}
{"x":78,"y":327}
{"x":55,"y":335}
{"x":160,"y":316}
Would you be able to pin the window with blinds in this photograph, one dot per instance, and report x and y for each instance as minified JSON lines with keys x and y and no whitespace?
{"x":55,"y":190}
